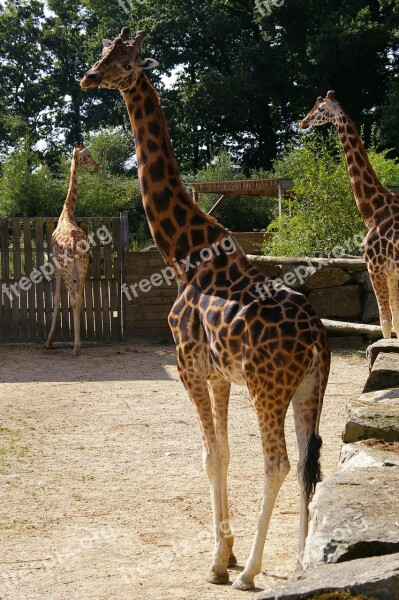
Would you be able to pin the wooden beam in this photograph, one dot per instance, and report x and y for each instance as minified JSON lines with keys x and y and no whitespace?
{"x":344,"y":328}
{"x":218,"y":203}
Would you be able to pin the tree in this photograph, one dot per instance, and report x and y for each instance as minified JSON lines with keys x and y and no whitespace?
{"x":23,"y":67}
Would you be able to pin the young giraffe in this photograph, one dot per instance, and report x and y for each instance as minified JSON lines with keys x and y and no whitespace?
{"x":377,"y":205}
{"x":225,"y":329}
{"x":70,"y":248}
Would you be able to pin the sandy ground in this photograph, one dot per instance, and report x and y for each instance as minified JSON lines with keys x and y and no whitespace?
{"x":102,"y":490}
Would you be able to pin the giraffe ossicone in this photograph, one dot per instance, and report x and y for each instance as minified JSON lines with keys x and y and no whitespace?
{"x":224,"y":331}
{"x":70,"y":249}
{"x":378,"y":207}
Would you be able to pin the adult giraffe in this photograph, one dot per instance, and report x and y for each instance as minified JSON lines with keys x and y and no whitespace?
{"x":225,"y":329}
{"x":70,"y":248}
{"x":378,"y":207}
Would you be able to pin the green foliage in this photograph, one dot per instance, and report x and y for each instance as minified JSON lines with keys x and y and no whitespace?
{"x":237,"y":213}
{"x":28,"y":188}
{"x":324,"y":213}
{"x":322,"y":207}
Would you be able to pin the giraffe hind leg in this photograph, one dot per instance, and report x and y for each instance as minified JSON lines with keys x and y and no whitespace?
{"x":56,"y":308}
{"x":394,"y":302}
{"x":380,"y":285}
{"x":305,"y":404}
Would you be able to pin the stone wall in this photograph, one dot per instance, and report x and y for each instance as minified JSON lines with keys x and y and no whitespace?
{"x":337,"y":289}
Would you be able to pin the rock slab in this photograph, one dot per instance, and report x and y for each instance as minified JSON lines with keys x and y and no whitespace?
{"x":384,"y":373}
{"x":373,"y":415}
{"x":376,"y":577}
{"x":372,"y":453}
{"x":354,"y":514}
{"x":385,"y":346}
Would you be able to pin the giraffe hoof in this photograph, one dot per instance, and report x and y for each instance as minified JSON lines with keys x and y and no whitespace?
{"x":242,"y":585}
{"x":218,"y":578}
{"x":232,"y":561}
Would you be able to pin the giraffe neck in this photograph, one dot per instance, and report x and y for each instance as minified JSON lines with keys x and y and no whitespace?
{"x":365,"y":183}
{"x":177,"y":224}
{"x":68,"y":212}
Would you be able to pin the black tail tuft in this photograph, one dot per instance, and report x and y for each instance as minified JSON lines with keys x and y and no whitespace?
{"x":312,"y":470}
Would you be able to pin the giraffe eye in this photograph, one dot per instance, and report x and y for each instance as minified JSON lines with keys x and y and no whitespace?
{"x":127,"y":67}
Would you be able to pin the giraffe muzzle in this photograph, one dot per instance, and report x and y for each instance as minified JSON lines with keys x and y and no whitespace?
{"x":91,"y":79}
{"x":303,"y":124}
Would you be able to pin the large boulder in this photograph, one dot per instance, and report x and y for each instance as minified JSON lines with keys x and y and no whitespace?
{"x":373,"y":415}
{"x":340,"y":302}
{"x":327,"y":278}
{"x":354,"y":514}
{"x":376,"y":577}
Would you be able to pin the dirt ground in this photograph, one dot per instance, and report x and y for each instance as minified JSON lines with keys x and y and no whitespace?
{"x":102,"y":492}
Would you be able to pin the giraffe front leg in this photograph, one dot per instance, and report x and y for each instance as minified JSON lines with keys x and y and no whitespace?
{"x":220,"y":393}
{"x":195,"y":382}
{"x":380,"y":286}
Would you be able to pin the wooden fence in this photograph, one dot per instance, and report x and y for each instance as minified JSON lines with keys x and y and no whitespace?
{"x":27,"y":284}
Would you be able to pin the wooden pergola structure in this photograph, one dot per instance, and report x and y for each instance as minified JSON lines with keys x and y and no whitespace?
{"x":272,"y":188}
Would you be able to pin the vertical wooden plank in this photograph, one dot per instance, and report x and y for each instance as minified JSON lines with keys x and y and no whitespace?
{"x":40,"y":316}
{"x":97,"y":296}
{"x":105,"y":309}
{"x":116,"y":297}
{"x":31,"y":296}
{"x":16,"y":259}
{"x":89,"y":309}
{"x":24,"y":315}
{"x":5,"y":278}
{"x":107,"y":251}
{"x":49,"y":277}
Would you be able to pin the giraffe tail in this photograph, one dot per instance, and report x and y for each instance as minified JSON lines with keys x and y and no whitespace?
{"x":312,"y":470}
{"x":76,"y":274}
{"x":312,"y":474}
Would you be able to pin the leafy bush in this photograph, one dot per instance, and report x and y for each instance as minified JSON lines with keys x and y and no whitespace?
{"x":321,"y":212}
{"x":237,"y":213}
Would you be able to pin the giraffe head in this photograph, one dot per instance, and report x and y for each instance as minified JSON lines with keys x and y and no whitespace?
{"x":81,"y":155}
{"x":326,"y":110}
{"x":120,"y":65}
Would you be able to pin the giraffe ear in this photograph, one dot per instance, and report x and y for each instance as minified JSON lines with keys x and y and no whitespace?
{"x":331,"y":105}
{"x":148,"y":63}
{"x":84,"y":152}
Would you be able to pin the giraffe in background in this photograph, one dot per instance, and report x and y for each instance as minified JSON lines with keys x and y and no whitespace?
{"x":225,"y":330}
{"x":70,"y":249}
{"x":378,"y":207}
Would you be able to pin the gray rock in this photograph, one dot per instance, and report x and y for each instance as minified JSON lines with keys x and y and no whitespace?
{"x":370,"y":308}
{"x":384,"y":373}
{"x":376,"y":577}
{"x":343,"y":302}
{"x":386,"y":346}
{"x":354,"y":514}
{"x":373,"y":415}
{"x":373,"y":453}
{"x":327,"y":278}
{"x":364,"y":279}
